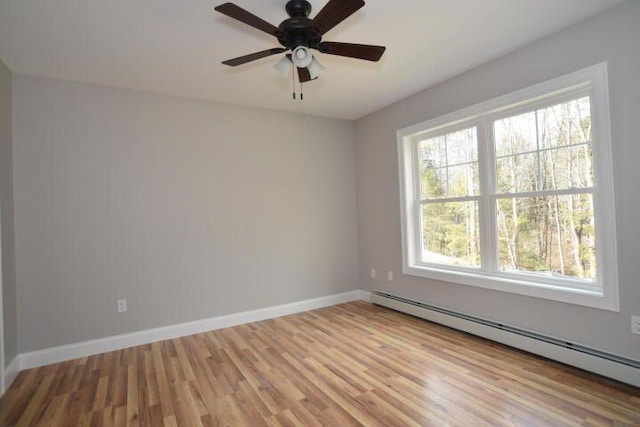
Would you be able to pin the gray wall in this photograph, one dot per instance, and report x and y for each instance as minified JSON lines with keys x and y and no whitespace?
{"x":614,"y":37}
{"x":6,"y":202}
{"x":188,"y":209}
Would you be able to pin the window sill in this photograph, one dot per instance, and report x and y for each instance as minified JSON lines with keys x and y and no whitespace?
{"x":553,"y":292}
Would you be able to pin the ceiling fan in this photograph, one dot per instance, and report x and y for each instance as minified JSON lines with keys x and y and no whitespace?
{"x":299,"y":34}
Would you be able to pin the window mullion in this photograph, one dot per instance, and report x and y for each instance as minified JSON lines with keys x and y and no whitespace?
{"x":417,"y":207}
{"x":486,"y":171}
{"x":539,"y":183}
{"x":546,"y":193}
{"x":449,"y":200}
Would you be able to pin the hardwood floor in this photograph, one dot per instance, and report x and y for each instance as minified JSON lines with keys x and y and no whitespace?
{"x":352,"y":364}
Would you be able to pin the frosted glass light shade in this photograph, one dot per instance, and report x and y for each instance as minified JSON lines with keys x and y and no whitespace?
{"x":284,"y":66}
{"x":315,"y":69}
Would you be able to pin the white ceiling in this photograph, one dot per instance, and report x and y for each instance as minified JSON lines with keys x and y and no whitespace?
{"x":176,"y":46}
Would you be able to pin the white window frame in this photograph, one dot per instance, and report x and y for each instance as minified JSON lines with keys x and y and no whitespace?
{"x":601,"y":293}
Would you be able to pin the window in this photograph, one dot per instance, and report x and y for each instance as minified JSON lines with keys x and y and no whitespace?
{"x":516,"y":194}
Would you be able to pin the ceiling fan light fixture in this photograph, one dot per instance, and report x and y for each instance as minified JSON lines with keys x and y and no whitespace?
{"x":302,"y":56}
{"x":284,"y":66}
{"x":299,"y":34}
{"x":315,"y":69}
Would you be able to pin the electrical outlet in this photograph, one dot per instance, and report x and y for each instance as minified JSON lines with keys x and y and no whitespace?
{"x":122,"y":305}
{"x":390,"y":276}
{"x":373,"y":273}
{"x":635,"y":324}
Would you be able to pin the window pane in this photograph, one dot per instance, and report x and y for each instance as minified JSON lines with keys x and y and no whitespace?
{"x":567,"y":167}
{"x":451,"y":233}
{"x":432,"y":152}
{"x":553,"y":236}
{"x":433,"y":183}
{"x":565,"y":124}
{"x":517,"y":173}
{"x":516,"y":134}
{"x":449,"y":165}
{"x":559,"y":134}
{"x":462,"y":146}
{"x":463,"y":180}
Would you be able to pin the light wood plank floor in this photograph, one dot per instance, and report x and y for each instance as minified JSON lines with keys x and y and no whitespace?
{"x":352,"y":364}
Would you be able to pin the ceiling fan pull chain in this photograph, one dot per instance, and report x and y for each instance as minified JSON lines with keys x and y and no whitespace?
{"x":294,"y":82}
{"x":293,"y":79}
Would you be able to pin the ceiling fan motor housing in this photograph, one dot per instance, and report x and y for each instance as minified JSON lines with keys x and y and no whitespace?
{"x":298,"y":30}
{"x":298,"y":8}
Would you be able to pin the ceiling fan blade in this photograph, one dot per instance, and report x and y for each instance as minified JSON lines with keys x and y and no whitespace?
{"x":351,"y":50}
{"x":304,"y":75}
{"x":253,"y":56}
{"x":236,"y":12}
{"x":334,"y":12}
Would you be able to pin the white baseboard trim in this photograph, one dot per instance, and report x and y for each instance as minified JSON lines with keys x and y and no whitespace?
{"x":62,"y":353}
{"x":365,"y":296}
{"x":51,"y":355}
{"x":11,"y":372}
{"x":607,"y":368}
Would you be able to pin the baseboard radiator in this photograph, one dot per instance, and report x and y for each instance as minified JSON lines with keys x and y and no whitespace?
{"x":590,"y":359}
